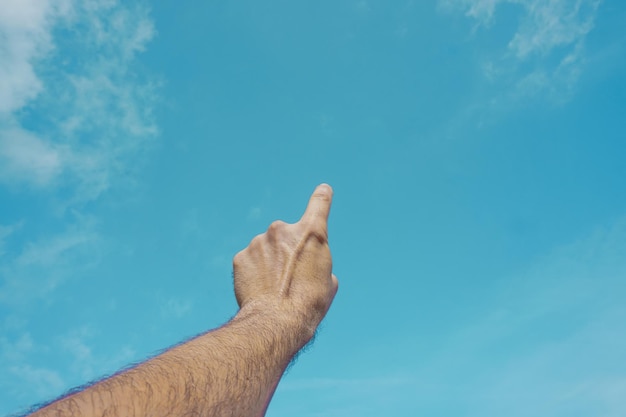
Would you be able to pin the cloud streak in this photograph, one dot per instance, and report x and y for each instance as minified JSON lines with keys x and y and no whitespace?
{"x":40,"y":266}
{"x":75,"y":123}
{"x":73,"y":119}
{"x":26,"y":27}
{"x":551,"y":342}
{"x":546,"y":54}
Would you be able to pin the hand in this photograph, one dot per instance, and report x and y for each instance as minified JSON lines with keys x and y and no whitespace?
{"x":288,"y":269}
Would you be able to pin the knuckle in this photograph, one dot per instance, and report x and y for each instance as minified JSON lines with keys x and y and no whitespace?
{"x":276,"y":226}
{"x":319,"y":234}
{"x":257,"y":241}
{"x":238,"y":258}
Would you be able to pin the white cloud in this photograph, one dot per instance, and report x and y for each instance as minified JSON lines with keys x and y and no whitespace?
{"x":24,"y":155}
{"x":553,"y":23}
{"x":73,"y":119}
{"x":19,"y":377}
{"x":546,"y":53}
{"x":41,"y":265}
{"x":41,"y":380}
{"x":83,"y":362}
{"x":49,"y":251}
{"x":25,"y":27}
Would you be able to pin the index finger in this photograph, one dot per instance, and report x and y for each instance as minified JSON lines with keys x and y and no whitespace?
{"x":318,"y":209}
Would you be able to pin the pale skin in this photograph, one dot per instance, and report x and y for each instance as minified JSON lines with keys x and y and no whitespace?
{"x":284,"y":286}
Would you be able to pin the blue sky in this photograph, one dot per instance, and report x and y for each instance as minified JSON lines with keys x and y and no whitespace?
{"x":477,"y":150}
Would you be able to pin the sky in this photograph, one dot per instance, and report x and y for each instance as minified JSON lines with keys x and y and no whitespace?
{"x":477,"y":150}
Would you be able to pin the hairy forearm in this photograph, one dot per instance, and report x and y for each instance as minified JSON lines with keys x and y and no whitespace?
{"x":284,"y":286}
{"x":230,"y":371}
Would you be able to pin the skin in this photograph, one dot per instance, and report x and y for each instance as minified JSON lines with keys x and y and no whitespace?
{"x":284,"y":286}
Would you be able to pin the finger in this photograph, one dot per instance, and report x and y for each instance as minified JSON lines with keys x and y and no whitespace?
{"x":318,"y":208}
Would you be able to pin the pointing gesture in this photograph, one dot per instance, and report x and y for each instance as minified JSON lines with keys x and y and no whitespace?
{"x":284,"y":285}
{"x":288,"y":269}
{"x":319,"y":206}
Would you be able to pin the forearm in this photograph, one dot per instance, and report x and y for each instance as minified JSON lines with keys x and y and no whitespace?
{"x":230,"y":371}
{"x":284,"y":285}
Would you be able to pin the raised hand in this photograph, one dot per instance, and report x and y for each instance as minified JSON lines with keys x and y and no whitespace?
{"x":288,"y":269}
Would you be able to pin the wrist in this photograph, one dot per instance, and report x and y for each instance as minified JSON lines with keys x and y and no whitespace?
{"x":285,"y":323}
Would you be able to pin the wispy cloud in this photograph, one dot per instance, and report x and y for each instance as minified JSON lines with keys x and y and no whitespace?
{"x":551,"y":342}
{"x":75,"y":119}
{"x":40,"y":380}
{"x":75,"y":122}
{"x":546,"y":53}
{"x":43,"y":264}
{"x":72,"y":119}
{"x":82,"y":361}
{"x":26,"y":37}
{"x":551,"y":24}
{"x":18,"y":374}
{"x":86,"y":360}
